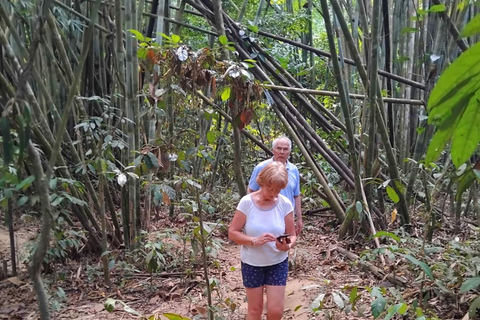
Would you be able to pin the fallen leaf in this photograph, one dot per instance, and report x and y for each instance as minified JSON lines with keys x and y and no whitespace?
{"x":15,"y":280}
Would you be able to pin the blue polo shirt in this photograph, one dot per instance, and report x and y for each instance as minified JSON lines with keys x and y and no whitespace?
{"x":293,"y":186}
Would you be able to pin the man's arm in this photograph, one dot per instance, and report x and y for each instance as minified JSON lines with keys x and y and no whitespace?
{"x":298,"y":213}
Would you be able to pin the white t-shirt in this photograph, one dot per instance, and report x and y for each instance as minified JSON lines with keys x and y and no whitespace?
{"x":260,"y":221}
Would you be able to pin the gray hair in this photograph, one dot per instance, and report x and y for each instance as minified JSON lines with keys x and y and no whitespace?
{"x":274,"y":143}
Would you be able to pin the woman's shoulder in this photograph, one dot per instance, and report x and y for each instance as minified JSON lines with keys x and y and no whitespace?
{"x":284,"y":200}
{"x":246,"y":198}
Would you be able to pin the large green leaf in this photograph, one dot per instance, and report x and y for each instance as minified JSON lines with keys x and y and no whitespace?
{"x":378,"y":305}
{"x":466,"y":135}
{"x":392,"y":194}
{"x":437,"y":144}
{"x":419,"y":263}
{"x":472,"y":27}
{"x":470,"y":284}
{"x":464,"y":182}
{"x":460,"y":79}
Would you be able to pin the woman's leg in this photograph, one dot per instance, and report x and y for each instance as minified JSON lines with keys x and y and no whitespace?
{"x":255,"y":303}
{"x":275,"y":302}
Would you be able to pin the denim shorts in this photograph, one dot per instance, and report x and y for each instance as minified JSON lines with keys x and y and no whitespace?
{"x":275,"y":275}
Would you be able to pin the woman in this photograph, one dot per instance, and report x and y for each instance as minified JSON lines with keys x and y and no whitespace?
{"x":263,"y":216}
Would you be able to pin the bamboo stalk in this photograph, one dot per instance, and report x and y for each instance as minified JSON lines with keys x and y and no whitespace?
{"x":451,"y":27}
{"x":337,"y":94}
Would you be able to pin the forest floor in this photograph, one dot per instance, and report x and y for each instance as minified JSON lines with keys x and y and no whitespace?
{"x":77,"y":288}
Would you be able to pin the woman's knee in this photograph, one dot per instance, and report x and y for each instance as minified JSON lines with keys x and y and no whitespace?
{"x":255,"y":308}
{"x":275,"y":312}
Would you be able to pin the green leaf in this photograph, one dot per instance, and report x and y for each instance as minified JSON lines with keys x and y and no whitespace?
{"x":392,"y":194}
{"x":419,"y":263}
{"x":456,"y":86}
{"x":110,"y":304}
{"x":437,"y":144}
{"x":153,"y":160}
{"x":408,"y":30}
{"x":387,"y":234}
{"x":297,"y":307}
{"x":173,"y":316}
{"x":359,"y":207}
{"x":175,"y":38}
{"x":253,"y":28}
{"x":378,"y":305}
{"x":226,"y":93}
{"x":438,"y":8}
{"x":470,"y":284}
{"x":464,"y":182}
{"x":25,"y":183}
{"x":474,"y":308}
{"x":395,"y":309}
{"x":472,"y":27}
{"x":211,"y":136}
{"x":223,"y":40}
{"x":22,"y":201}
{"x":137,"y":34}
{"x":466,"y":135}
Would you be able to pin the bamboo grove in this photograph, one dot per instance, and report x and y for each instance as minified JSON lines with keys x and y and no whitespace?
{"x":94,"y":96}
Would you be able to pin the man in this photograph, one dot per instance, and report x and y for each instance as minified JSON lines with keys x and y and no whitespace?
{"x":281,"y":148}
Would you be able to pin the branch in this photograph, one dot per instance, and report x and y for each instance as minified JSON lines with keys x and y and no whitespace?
{"x":347,"y":61}
{"x":337,"y":94}
{"x":453,"y":30}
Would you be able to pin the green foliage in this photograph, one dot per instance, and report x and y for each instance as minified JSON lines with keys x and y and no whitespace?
{"x":454,"y":108}
{"x":472,"y":28}
{"x":470,"y":284}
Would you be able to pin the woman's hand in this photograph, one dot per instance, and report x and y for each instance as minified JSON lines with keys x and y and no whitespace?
{"x":264,"y":238}
{"x":283,"y":245}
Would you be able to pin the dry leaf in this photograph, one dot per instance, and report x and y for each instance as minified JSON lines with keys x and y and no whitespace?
{"x":166,"y":198}
{"x":394,"y":216}
{"x":15,"y":280}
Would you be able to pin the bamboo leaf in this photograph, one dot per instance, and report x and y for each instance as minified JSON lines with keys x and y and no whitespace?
{"x":387,"y":234}
{"x":226,"y":93}
{"x":392,"y":194}
{"x":438,"y":8}
{"x":466,"y":135}
{"x":175,"y":38}
{"x":137,"y":34}
{"x":223,"y":40}
{"x":470,"y":284}
{"x":472,"y":27}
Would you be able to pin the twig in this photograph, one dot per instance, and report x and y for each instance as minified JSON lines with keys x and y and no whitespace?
{"x":376,"y":271}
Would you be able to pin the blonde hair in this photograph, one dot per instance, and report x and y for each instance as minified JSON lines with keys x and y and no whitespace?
{"x":273,"y":175}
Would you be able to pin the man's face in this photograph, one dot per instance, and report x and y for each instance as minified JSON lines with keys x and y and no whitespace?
{"x":281,"y":151}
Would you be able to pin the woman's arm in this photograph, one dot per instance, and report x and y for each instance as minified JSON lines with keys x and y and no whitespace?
{"x":235,"y":230}
{"x":289,"y":229}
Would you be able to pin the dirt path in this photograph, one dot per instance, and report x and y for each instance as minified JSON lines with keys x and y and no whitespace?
{"x":78,"y":292}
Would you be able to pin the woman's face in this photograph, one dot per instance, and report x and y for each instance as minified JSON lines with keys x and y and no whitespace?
{"x":271,"y":192}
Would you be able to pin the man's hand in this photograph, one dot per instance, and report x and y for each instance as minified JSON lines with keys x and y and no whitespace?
{"x":299,"y":226}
